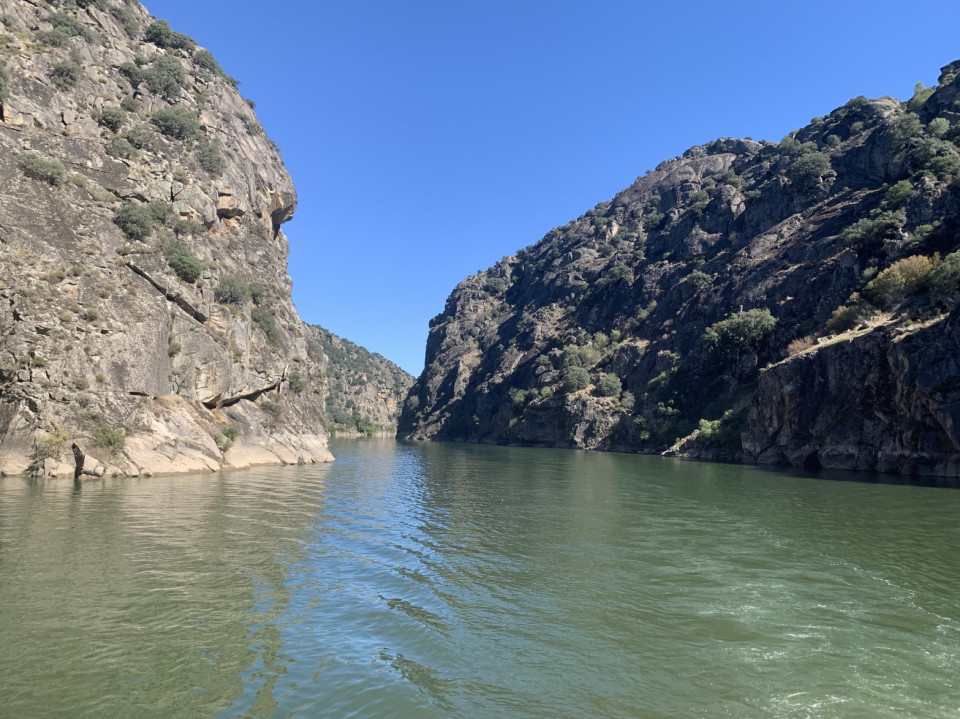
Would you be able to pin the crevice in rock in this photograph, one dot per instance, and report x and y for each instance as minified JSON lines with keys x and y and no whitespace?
{"x":172,"y":297}
{"x":218,"y":401}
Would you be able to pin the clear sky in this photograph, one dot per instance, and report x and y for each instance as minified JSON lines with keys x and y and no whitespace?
{"x":429,"y":138}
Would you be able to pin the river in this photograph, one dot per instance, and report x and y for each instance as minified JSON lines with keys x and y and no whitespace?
{"x":439,"y":580}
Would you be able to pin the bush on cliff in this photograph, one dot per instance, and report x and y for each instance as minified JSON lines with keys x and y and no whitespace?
{"x":186,"y":265}
{"x":34,"y":165}
{"x":161,"y":35}
{"x":177,"y":122}
{"x":727,"y":338}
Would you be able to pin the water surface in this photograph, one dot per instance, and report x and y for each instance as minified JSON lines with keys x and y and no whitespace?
{"x":466,"y":581}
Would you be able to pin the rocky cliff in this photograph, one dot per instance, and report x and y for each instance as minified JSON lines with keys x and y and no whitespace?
{"x":365,"y":391}
{"x":787,"y":303}
{"x":144,"y":301}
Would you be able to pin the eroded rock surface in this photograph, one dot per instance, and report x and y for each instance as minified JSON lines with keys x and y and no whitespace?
{"x":166,"y":347}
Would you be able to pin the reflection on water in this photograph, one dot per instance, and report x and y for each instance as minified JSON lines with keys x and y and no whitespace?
{"x":459,"y":580}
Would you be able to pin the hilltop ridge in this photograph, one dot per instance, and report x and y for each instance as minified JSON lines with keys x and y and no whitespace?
{"x":784,"y":303}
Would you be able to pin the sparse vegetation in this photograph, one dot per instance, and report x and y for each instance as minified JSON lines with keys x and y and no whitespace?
{"x":36,"y":166}
{"x":296,"y":381}
{"x":267,"y":322}
{"x":65,"y":74}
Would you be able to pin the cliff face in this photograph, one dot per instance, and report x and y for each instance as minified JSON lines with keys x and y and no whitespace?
{"x":782,"y":302}
{"x":144,"y":301}
{"x":365,"y":391}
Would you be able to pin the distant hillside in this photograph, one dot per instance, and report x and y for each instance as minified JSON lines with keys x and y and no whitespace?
{"x":787,"y":303}
{"x":365,"y":391}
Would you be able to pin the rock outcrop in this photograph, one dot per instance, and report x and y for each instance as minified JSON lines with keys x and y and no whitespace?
{"x":145,"y":305}
{"x":785,"y":303}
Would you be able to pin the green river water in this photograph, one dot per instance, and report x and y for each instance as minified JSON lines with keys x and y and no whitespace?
{"x":429,"y":580}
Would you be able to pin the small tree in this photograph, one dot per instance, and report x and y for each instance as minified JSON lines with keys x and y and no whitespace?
{"x":809,"y":169}
{"x":609,"y":386}
{"x":726,"y":339}
{"x":575,"y":378}
{"x":166,"y":77}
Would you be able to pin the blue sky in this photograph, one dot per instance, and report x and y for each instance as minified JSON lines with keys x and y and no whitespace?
{"x":428,"y":139}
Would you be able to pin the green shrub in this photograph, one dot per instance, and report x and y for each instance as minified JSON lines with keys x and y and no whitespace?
{"x":206,"y":60}
{"x":112,"y":118}
{"x":620,"y":273}
{"x":724,"y":432}
{"x":519,"y":398}
{"x":210,"y":158}
{"x":130,"y":104}
{"x":609,"y":386}
{"x":135,"y":219}
{"x":938,"y":127}
{"x":920,"y":95}
{"x":902,"y":278}
{"x":257,"y":292}
{"x":186,"y":265}
{"x":231,"y":432}
{"x":296,"y":382}
{"x":904,"y":129}
{"x":945,"y":279}
{"x":871,"y":233}
{"x":699,"y":279}
{"x":65,"y":74}
{"x":808,"y":170}
{"x":109,"y":439}
{"x":727,"y":338}
{"x":849,"y":315}
{"x":173,"y":349}
{"x":224,"y":443}
{"x":141,"y":137}
{"x":132,"y":73}
{"x":4,"y":83}
{"x":186,"y":227}
{"x":69,"y":26}
{"x":126,"y":19}
{"x":34,"y":165}
{"x":233,"y":290}
{"x":574,"y":378}
{"x":160,"y":34}
{"x":268,"y":323}
{"x":166,"y":77}
{"x":897,"y":195}
{"x":178,"y":122}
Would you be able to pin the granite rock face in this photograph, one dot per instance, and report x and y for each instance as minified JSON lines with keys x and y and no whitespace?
{"x":784,"y":303}
{"x":145,"y":306}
